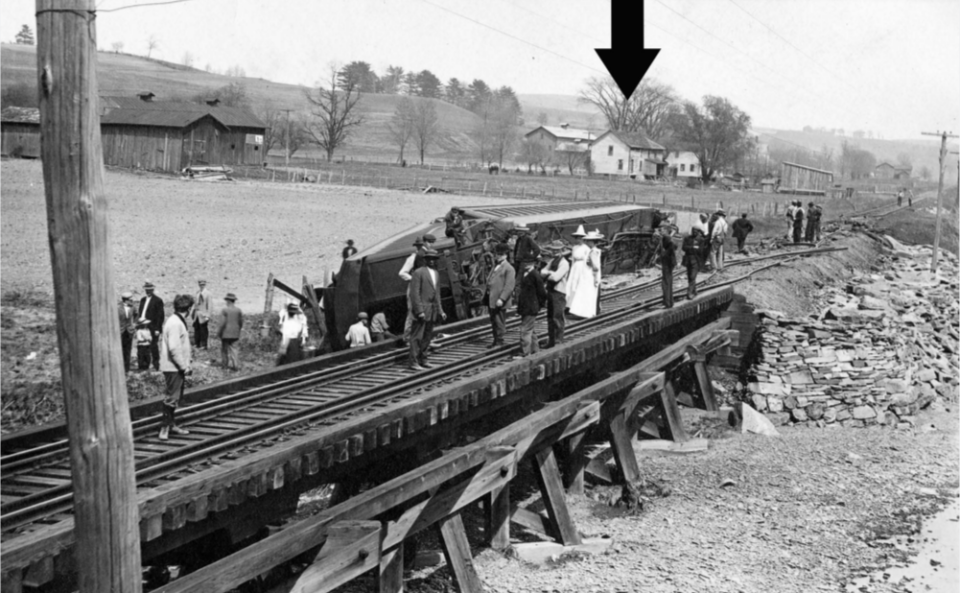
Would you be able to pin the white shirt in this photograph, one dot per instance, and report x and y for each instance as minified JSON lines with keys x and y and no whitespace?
{"x":358,"y":335}
{"x":294,"y":327}
{"x":406,"y":272}
{"x":720,"y":227}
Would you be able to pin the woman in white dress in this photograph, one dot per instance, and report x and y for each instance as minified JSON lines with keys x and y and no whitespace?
{"x":583,"y":284}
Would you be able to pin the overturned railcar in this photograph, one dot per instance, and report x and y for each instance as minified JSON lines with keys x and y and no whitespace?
{"x":369,"y":281}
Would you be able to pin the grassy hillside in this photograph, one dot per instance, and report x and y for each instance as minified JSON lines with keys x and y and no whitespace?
{"x":559,"y":109}
{"x":122,"y":74}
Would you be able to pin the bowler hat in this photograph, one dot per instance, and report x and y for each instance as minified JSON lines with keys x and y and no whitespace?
{"x":429,"y":238}
{"x":431,"y":254}
{"x":230,"y":297}
{"x":418,"y":242}
{"x":148,"y":284}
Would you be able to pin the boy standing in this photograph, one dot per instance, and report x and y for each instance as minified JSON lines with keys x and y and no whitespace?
{"x":532,"y":297}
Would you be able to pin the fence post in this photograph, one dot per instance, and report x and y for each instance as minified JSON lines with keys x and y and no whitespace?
{"x":484,"y":188}
{"x":664,"y":198}
{"x":343,"y":176}
{"x":501,"y":189}
{"x":523,"y":194}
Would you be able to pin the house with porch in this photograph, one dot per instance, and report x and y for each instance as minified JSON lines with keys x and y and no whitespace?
{"x":630,"y":154}
{"x":682,"y":164}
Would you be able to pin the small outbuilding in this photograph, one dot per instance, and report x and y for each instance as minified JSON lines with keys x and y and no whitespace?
{"x":800,"y":179}
{"x":20,"y":128}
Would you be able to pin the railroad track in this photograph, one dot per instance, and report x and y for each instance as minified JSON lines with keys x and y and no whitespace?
{"x":35,"y":482}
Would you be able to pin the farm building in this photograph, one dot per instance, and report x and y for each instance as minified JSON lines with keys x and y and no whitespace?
{"x":800,"y":179}
{"x":139,"y":132}
{"x":887,"y":171}
{"x":682,"y":163}
{"x":553,"y":136}
{"x":21,"y":132}
{"x":627,"y":153}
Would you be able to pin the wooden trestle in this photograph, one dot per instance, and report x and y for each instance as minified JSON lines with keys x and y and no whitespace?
{"x":358,"y":536}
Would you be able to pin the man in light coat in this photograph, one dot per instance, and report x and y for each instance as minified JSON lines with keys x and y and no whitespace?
{"x":202,"y":311}
{"x":175,"y":363}
{"x":718,"y":235}
{"x":426,"y":309}
{"x":500,"y":285}
{"x":555,"y":280}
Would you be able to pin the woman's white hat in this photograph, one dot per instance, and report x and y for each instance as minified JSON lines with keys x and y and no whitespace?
{"x":580,"y":232}
{"x":593,"y":236}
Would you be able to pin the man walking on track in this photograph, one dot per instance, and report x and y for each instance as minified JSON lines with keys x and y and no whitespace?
{"x":151,"y":310}
{"x":425,"y":303}
{"x":555,"y":279}
{"x":668,"y":261}
{"x":500,"y":285}
{"x":741,"y":228}
{"x":175,"y":363}
{"x":692,"y":249}
{"x":229,"y":332}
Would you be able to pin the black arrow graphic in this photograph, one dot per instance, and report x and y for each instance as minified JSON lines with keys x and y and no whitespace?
{"x":625,"y":63}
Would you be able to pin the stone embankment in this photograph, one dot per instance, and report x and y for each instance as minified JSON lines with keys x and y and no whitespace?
{"x":883,"y":346}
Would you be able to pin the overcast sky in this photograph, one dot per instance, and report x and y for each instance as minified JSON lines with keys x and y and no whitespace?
{"x":889,"y":66}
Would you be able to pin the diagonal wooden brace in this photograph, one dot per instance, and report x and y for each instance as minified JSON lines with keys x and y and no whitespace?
{"x":352,"y":548}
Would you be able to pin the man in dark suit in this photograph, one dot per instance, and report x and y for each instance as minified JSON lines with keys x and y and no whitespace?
{"x":128,"y":327}
{"x":532,"y":297}
{"x":526,"y":248}
{"x":229,"y":332}
{"x":668,"y":261}
{"x":151,"y":311}
{"x":425,"y":306}
{"x":500,"y":285}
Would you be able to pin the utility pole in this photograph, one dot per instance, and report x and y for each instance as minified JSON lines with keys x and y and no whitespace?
{"x":286,"y":141}
{"x":943,"y":165}
{"x":106,"y":518}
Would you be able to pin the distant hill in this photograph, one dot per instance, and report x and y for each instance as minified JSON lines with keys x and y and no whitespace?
{"x":127,"y":75}
{"x":561,"y":109}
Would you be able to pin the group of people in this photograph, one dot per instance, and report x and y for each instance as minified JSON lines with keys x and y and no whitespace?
{"x":164,"y":342}
{"x":796,"y":215}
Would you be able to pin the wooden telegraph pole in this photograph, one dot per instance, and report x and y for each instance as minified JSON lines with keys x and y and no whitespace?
{"x":943,"y":165}
{"x":88,"y":327}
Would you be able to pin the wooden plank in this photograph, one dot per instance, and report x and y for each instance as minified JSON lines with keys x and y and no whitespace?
{"x":551,"y":488}
{"x":498,"y":518}
{"x":535,"y":522}
{"x":12,"y":582}
{"x":40,"y":573}
{"x":671,"y":414}
{"x":151,"y":528}
{"x":706,"y":387}
{"x":622,"y":445}
{"x":352,"y":548}
{"x":456,"y":550}
{"x":576,"y":463}
{"x":541,"y":552}
{"x":391,"y":570}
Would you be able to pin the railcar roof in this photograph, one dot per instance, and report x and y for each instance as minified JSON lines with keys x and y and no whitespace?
{"x":547,"y":211}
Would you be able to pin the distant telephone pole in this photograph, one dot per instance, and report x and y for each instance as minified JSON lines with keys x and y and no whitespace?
{"x":943,"y":165}
{"x":286,"y":139}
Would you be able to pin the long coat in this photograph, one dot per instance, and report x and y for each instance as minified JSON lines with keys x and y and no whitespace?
{"x":128,"y":322}
{"x":154,"y":313}
{"x":424,"y":296}
{"x":533,"y":295}
{"x":500,"y":283}
{"x":231,"y":324}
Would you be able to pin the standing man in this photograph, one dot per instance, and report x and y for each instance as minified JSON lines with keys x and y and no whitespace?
{"x":425,"y":302}
{"x":151,"y":310}
{"x":668,"y":261}
{"x":813,"y":222}
{"x":900,"y":198}
{"x":229,"y":332}
{"x":741,"y":228}
{"x":201,"y":316}
{"x":526,"y":248}
{"x":717,"y":236}
{"x":293,"y":335}
{"x":380,"y":329}
{"x":555,"y":278}
{"x":691,"y":259}
{"x":358,"y":334}
{"x":791,"y":210}
{"x":500,"y":285}
{"x":175,"y":363}
{"x":349,"y":249}
{"x":531,"y":299}
{"x":128,"y":327}
{"x":413,"y":261}
{"x":454,"y":224}
{"x":798,"y":223}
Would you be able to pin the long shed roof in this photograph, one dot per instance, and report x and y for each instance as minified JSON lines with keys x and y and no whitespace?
{"x":135,"y":111}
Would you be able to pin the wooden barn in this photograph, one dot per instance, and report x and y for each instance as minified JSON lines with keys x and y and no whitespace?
{"x":21,"y":132}
{"x":800,"y":179}
{"x":141,"y":133}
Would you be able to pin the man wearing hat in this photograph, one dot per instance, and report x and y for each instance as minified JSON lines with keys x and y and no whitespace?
{"x":229,"y":332}
{"x":555,"y":281}
{"x":426,"y":309}
{"x":349,"y":249}
{"x":175,"y":359}
{"x":358,"y":334}
{"x":454,"y":222}
{"x":668,"y":261}
{"x":798,"y":216}
{"x":531,"y":298}
{"x":201,"y":316}
{"x":293,"y":335}
{"x":151,"y":309}
{"x":692,"y":258}
{"x":412,"y":263}
{"x":526,"y":248}
{"x":128,"y":327}
{"x":718,"y":234}
{"x":500,"y":285}
{"x":814,"y":213}
{"x":741,"y":228}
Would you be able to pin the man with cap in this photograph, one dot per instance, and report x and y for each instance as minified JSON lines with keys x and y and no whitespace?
{"x":293,"y":335}
{"x":358,"y":334}
{"x":555,"y":281}
{"x":229,"y":332}
{"x":175,"y":363}
{"x":718,"y":234}
{"x":202,"y":311}
{"x":454,"y":222}
{"x":692,"y":258}
{"x":798,"y":216}
{"x":531,"y":298}
{"x":500,"y":285}
{"x":668,"y":261}
{"x":380,"y":328}
{"x":741,"y":228}
{"x":349,"y":249}
{"x":151,"y":309}
{"x":526,"y":248}
{"x":128,"y":327}
{"x":813,"y":222}
{"x":426,"y":308}
{"x":412,"y":263}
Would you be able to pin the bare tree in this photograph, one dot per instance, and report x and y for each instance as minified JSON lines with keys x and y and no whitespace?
{"x":283,"y":130}
{"x":534,"y":154}
{"x":274,"y":127}
{"x":187,"y":59}
{"x":648,"y":110}
{"x":117,"y":46}
{"x":152,"y":44}
{"x":334,"y":113}
{"x":426,"y":126}
{"x":401,"y":124}
{"x":236,"y":71}
{"x":573,"y":156}
{"x":925,"y":173}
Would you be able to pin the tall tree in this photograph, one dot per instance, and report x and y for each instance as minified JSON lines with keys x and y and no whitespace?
{"x":401,"y":124}
{"x":542,"y":118}
{"x":455,"y":93}
{"x":25,"y":36}
{"x":152,"y":44}
{"x":904,"y":160}
{"x":391,"y":80}
{"x":925,"y":173}
{"x":361,"y":75}
{"x":411,"y":84}
{"x":426,"y":126}
{"x":718,"y":132}
{"x":534,"y":154}
{"x":648,"y":110}
{"x":187,"y":59}
{"x":478,"y":93}
{"x":117,"y":46}
{"x":335,"y":113}
{"x":428,"y":85}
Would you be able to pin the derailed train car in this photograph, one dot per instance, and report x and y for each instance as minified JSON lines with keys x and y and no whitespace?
{"x":369,"y":281}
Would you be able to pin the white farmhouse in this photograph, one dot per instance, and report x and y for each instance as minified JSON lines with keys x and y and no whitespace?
{"x":682,"y":163}
{"x":626,"y":153}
